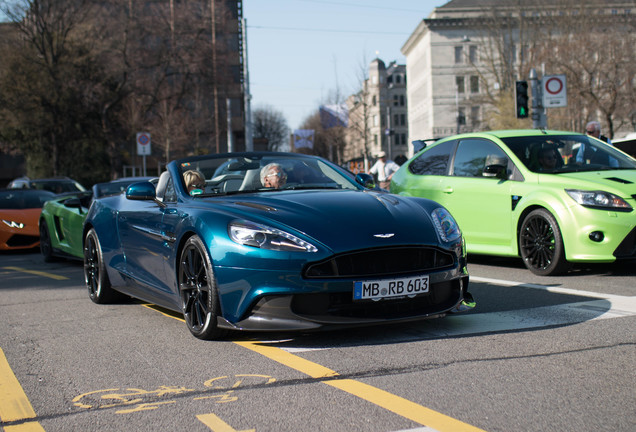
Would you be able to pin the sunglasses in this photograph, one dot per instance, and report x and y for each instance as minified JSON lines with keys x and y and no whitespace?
{"x":278,"y":174}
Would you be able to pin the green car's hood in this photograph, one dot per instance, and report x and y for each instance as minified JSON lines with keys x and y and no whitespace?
{"x":620,"y":182}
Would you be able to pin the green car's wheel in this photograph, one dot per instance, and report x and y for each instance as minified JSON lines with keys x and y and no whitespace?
{"x":95,"y":276}
{"x":197,"y":287}
{"x":46,"y":248}
{"x":541,"y":244}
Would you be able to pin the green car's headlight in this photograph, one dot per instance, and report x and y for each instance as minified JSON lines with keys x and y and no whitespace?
{"x":446,"y":227}
{"x":599,"y":200}
{"x":265,"y":237}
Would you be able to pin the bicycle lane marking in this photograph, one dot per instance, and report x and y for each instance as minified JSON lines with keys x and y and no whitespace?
{"x":396,"y":404}
{"x":14,"y":404}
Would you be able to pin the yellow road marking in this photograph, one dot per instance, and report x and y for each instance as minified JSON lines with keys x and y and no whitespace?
{"x":217,"y":425}
{"x":310,"y":368}
{"x":14,"y":404}
{"x":37,"y":273}
{"x":403,"y":407}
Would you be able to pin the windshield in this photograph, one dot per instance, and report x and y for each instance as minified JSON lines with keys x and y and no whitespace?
{"x":567,"y":153}
{"x":224,"y":174}
{"x":24,"y":198}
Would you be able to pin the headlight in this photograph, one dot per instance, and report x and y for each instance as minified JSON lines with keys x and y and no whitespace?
{"x":446,"y":227}
{"x":599,"y":200}
{"x":265,"y":237}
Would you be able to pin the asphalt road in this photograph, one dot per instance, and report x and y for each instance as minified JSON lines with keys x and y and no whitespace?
{"x":537,"y":354}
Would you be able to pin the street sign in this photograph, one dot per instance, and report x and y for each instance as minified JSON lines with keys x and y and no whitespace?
{"x":554,"y":91}
{"x":143,"y":143}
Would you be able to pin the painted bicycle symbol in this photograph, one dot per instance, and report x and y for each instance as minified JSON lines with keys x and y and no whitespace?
{"x":138,"y":399}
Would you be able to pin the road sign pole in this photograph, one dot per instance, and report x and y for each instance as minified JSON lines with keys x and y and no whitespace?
{"x":539,"y":120}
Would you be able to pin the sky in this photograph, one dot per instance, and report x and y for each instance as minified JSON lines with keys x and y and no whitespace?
{"x":304,"y":53}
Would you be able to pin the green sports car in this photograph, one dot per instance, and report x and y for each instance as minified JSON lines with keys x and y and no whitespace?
{"x":62,"y":218}
{"x":550,"y":197}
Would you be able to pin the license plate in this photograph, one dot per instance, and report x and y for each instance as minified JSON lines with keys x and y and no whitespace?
{"x":389,"y":288}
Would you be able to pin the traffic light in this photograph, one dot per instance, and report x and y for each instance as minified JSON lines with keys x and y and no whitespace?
{"x":521,"y":99}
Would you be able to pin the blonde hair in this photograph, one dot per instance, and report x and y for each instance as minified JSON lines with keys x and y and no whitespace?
{"x":192,"y":176}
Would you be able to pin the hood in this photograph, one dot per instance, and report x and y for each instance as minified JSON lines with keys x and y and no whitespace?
{"x":341,"y":220}
{"x":618,"y":182}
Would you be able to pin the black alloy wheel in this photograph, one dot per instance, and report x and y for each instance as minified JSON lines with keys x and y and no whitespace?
{"x":95,"y":276}
{"x":197,"y":287}
{"x":46,"y":248}
{"x":541,"y":244}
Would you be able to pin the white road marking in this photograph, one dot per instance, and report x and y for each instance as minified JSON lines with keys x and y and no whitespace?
{"x":600,"y":306}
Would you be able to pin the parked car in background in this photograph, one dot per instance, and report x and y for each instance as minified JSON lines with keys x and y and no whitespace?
{"x":316,"y":251}
{"x":19,"y":213}
{"x":62,"y":218}
{"x":56,"y":185}
{"x":551,"y":198}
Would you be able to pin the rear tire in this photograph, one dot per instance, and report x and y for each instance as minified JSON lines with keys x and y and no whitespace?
{"x":541,"y":244}
{"x":46,"y":248}
{"x":95,"y":276}
{"x":197,"y":288}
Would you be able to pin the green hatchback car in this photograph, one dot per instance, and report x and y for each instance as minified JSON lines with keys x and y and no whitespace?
{"x":550,"y":197}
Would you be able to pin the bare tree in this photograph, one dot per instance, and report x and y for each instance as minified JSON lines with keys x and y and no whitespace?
{"x":270,"y":124}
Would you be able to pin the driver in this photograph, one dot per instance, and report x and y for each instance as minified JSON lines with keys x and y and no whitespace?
{"x":273,"y":176}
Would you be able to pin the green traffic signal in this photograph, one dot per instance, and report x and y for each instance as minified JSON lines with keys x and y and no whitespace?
{"x":521,"y":99}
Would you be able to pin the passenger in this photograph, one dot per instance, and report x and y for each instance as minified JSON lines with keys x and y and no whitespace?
{"x":195,"y":182}
{"x":273,"y":176}
{"x":547,"y":159}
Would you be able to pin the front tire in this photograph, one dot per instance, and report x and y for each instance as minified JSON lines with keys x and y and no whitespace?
{"x":46,"y":247}
{"x":541,"y":244}
{"x":95,"y":276}
{"x":198,"y":291}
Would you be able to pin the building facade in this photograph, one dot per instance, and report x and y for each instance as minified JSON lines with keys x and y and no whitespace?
{"x":378,"y":115}
{"x":455,"y":73}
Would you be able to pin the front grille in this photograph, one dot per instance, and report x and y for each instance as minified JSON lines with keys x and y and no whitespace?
{"x":381,"y":262}
{"x":442,"y":297}
{"x":20,"y":240}
{"x":627,"y":248}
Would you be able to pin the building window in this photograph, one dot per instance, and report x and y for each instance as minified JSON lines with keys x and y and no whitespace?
{"x":474,"y":116}
{"x":461,"y":116}
{"x":396,"y":119}
{"x":374,"y":101}
{"x":474,"y":84}
{"x":375,"y":120}
{"x":472,"y":54}
{"x":459,"y":51}
{"x":402,"y":119}
{"x":459,"y":84}
{"x":402,"y":100}
{"x":395,"y":100}
{"x":398,"y":79}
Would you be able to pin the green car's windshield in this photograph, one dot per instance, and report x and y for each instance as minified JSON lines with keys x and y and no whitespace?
{"x":567,"y":153}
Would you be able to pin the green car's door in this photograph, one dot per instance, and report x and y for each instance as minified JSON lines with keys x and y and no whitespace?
{"x":478,"y":194}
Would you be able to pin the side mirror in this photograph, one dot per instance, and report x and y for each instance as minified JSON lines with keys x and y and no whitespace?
{"x":498,"y":171}
{"x":73,"y":203}
{"x":142,"y":191}
{"x":365,"y":180}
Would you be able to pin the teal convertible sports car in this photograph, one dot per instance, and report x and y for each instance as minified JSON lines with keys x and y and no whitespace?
{"x":274,"y":241}
{"x":551,"y":198}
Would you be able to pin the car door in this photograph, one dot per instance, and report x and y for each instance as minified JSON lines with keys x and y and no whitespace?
{"x":140,"y":225}
{"x":480,"y":200}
